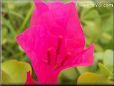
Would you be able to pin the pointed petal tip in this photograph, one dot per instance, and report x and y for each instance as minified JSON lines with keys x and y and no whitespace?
{"x":86,"y":58}
{"x":92,"y":46}
{"x":90,"y":54}
{"x":18,"y":38}
{"x":40,"y":5}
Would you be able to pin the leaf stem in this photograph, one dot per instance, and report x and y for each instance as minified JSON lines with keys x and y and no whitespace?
{"x":26,"y":19}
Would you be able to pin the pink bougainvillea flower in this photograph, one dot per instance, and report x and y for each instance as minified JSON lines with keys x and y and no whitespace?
{"x":54,"y":41}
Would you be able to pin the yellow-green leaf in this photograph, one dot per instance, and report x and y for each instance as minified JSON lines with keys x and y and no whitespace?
{"x":104,"y":70}
{"x":108,"y":59}
{"x":92,"y":78}
{"x":68,"y":75}
{"x":14,"y":72}
{"x":5,"y":78}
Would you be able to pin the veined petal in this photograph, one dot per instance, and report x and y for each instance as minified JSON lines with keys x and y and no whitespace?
{"x":56,"y":19}
{"x":36,"y":42}
{"x":85,"y":58}
{"x":74,"y":40}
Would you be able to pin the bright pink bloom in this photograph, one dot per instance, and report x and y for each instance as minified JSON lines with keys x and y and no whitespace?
{"x":55,"y":40}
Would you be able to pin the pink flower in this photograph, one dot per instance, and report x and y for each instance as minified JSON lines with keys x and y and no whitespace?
{"x":55,"y":41}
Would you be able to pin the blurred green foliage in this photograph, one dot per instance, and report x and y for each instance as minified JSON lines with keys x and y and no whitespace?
{"x":97,"y":23}
{"x":15,"y":18}
{"x":15,"y":72}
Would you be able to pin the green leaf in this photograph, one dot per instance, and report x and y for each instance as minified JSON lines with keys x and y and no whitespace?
{"x":5,"y":78}
{"x":91,"y":24}
{"x":92,"y":78}
{"x":104,"y":70}
{"x":107,"y":25}
{"x":14,"y":72}
{"x":4,"y":36}
{"x":10,"y":27}
{"x":99,"y":57}
{"x":68,"y":75}
{"x":107,"y":31}
{"x":108,"y":59}
{"x":82,"y":69}
{"x":87,"y":15}
{"x":26,"y":19}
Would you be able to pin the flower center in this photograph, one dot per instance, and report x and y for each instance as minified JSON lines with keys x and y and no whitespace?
{"x":49,"y":55}
{"x":48,"y":60}
{"x":60,"y":39}
{"x":66,"y":58}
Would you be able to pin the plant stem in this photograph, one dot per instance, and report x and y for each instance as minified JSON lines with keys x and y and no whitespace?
{"x":26,"y":19}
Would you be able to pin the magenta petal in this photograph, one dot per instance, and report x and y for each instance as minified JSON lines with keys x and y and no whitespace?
{"x":74,"y":41}
{"x":30,"y":40}
{"x":85,"y":58}
{"x":75,"y":35}
{"x":40,"y":5}
{"x":54,"y":5}
{"x":56,"y":20}
{"x":41,"y":8}
{"x":47,"y":74}
{"x":34,"y":17}
{"x":36,"y":42}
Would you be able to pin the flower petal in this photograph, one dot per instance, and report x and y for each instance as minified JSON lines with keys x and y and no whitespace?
{"x":30,"y":40}
{"x":40,"y":5}
{"x":85,"y":58}
{"x":46,"y":73}
{"x":75,"y":34}
{"x":74,"y":40}
{"x":56,"y":18}
{"x":36,"y":42}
